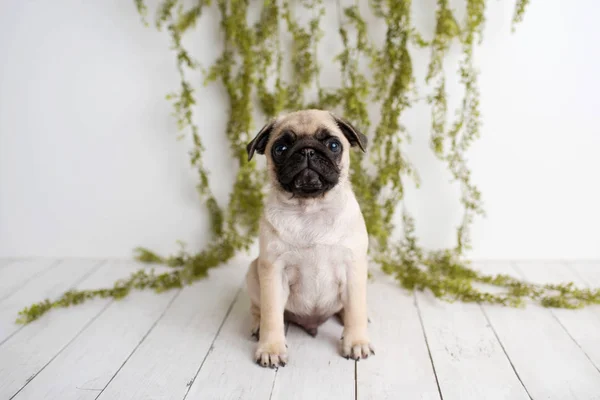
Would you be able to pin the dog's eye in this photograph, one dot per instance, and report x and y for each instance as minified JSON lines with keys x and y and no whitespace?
{"x":334,"y":146}
{"x":280,"y":149}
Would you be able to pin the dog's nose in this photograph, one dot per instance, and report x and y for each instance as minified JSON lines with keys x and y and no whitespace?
{"x":307,"y":152}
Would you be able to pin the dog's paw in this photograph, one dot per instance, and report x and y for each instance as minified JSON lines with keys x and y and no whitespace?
{"x":271,"y":354}
{"x":356,"y":346}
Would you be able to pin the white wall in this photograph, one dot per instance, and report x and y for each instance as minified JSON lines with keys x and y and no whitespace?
{"x":89,"y":164}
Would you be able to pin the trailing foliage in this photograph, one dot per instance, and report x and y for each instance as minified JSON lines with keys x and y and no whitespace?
{"x":251,"y":70}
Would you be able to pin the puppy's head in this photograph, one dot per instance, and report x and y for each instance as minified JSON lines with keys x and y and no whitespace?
{"x":308,"y":152}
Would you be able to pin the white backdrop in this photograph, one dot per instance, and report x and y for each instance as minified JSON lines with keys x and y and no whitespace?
{"x":89,"y":164}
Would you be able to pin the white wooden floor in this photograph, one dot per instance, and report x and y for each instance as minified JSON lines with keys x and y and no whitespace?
{"x":195,"y":343}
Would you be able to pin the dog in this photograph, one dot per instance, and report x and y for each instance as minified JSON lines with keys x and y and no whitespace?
{"x":313,"y":241}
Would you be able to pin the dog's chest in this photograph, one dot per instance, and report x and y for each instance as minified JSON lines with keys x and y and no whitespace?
{"x":316,"y":276}
{"x":316,"y":259}
{"x":301,"y":229}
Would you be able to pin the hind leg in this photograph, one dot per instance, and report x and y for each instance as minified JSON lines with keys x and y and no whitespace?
{"x":255,"y":311}
{"x":253,"y":286}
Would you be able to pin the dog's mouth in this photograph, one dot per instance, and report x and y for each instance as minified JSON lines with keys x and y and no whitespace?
{"x":308,"y":183}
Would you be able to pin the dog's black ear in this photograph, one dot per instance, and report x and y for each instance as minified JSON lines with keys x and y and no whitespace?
{"x":354,"y":136}
{"x":259,"y":143}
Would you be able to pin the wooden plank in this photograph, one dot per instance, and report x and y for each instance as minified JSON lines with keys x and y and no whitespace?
{"x":17,"y":273}
{"x":49,"y":284}
{"x":468,"y":359}
{"x":26,"y":353}
{"x":587,"y":271}
{"x":86,"y":366}
{"x":166,"y":362}
{"x":401,"y":367}
{"x":582,"y":325}
{"x":229,"y":371}
{"x":549,"y":363}
{"x":315,"y":369}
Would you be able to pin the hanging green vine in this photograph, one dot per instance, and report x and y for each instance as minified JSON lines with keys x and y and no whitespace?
{"x":519,"y":12}
{"x":250,"y":69}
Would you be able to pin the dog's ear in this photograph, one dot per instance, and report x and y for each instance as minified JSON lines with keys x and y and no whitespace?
{"x":354,"y":136}
{"x":259,"y":143}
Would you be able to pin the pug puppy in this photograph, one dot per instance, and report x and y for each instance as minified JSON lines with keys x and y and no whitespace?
{"x":313,"y":241}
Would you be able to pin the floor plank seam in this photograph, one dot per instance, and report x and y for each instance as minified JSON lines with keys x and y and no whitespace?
{"x":287,"y":326}
{"x":92,"y":270}
{"x":140,"y":342}
{"x":520,"y":272}
{"x":437,"y":381}
{"x":580,"y":277}
{"x":504,"y":351}
{"x":95,"y":268}
{"x":26,"y":281}
{"x":574,"y":341}
{"x":576,"y":273}
{"x":189,"y":386}
{"x":91,"y":321}
{"x":355,"y":380}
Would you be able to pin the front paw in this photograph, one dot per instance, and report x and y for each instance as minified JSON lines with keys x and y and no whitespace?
{"x":356,"y":345}
{"x":271,"y":354}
